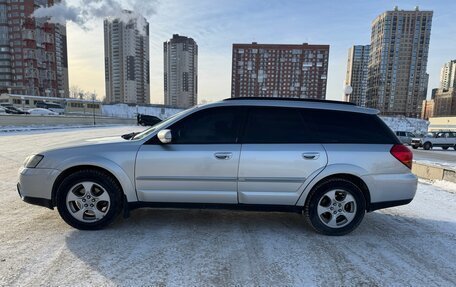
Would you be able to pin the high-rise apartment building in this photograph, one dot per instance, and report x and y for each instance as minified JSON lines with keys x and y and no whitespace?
{"x":180,"y":71}
{"x":279,"y":70}
{"x":126,"y":43}
{"x":427,"y":110}
{"x":448,"y":75}
{"x":33,"y":52}
{"x":445,"y":103}
{"x":356,"y":76}
{"x":397,"y":78}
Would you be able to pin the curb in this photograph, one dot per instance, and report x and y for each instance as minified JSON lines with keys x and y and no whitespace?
{"x":433,"y":172}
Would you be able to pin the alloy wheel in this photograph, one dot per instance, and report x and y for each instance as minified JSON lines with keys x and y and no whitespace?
{"x":336,"y":208}
{"x":88,"y":201}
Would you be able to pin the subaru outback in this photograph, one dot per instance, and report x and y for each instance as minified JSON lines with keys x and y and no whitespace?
{"x":331,"y":161}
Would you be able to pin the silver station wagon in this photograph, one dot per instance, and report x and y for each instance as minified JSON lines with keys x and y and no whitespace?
{"x":331,"y":161}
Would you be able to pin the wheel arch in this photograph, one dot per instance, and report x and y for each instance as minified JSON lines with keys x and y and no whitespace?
{"x":350,"y":173}
{"x":121,"y":182}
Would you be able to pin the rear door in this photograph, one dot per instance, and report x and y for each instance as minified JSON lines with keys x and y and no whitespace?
{"x":277,"y":156}
{"x":452,"y":139}
{"x":440,"y":140}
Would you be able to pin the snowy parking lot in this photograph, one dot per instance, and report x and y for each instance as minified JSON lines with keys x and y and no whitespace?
{"x":412,"y":245}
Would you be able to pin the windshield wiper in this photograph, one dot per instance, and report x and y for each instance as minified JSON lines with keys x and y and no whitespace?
{"x":129,"y":136}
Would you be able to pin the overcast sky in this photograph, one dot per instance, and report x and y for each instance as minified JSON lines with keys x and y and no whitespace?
{"x":216,"y":25}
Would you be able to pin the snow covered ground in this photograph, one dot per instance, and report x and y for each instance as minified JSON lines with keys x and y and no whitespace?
{"x":412,"y":245}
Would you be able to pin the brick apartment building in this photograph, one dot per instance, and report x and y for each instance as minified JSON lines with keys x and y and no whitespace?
{"x":33,"y":52}
{"x":279,"y":70}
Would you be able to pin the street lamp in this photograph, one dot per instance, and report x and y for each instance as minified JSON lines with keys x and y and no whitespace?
{"x":347,"y":92}
{"x":93,"y":108}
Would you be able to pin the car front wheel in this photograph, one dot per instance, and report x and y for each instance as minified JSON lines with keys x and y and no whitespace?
{"x":427,"y":145}
{"x":89,"y":199}
{"x":335,"y":207}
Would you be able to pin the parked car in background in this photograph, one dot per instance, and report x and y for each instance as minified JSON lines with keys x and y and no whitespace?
{"x":443,"y":139}
{"x":146,"y":120}
{"x":50,"y":106}
{"x":331,"y":161}
{"x":42,"y":112}
{"x":405,"y":137}
{"x":9,"y":109}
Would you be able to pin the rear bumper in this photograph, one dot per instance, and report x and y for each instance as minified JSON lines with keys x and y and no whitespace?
{"x":388,"y":190}
{"x":385,"y":204}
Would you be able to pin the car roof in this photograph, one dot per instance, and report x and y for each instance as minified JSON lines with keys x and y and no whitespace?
{"x":294,"y":103}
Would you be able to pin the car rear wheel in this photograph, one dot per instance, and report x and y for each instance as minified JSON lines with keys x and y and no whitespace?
{"x":414,"y":146}
{"x":89,"y":199}
{"x":427,"y":145}
{"x":335,"y":207}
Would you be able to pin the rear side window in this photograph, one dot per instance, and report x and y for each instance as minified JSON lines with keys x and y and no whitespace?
{"x":332,"y":126}
{"x":275,"y":125}
{"x":210,"y":126}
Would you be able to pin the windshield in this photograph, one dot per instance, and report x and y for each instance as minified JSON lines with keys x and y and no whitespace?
{"x":161,"y":124}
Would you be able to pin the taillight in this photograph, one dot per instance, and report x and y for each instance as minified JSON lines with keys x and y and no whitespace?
{"x":402,"y":154}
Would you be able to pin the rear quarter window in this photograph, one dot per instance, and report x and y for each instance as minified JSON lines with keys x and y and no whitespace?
{"x":330,"y":126}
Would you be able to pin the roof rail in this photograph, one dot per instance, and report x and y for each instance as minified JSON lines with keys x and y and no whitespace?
{"x":291,"y":99}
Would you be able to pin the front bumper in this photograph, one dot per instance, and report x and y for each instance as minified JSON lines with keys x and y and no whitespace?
{"x":35,"y":185}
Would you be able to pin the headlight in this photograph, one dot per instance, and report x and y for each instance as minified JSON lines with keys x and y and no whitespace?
{"x":33,"y":160}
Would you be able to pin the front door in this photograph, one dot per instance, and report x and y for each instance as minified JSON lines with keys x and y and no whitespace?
{"x":200,"y":164}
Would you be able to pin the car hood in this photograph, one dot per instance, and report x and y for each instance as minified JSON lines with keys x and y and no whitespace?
{"x":85,"y":143}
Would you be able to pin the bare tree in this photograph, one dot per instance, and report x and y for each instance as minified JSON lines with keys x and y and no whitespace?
{"x":75,"y":92}
{"x":78,"y":93}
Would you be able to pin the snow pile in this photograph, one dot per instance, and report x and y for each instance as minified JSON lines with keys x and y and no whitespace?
{"x":126,"y":111}
{"x":402,"y":123}
{"x":445,"y":185}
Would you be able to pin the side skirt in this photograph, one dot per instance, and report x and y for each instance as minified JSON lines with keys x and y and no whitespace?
{"x":244,"y":207}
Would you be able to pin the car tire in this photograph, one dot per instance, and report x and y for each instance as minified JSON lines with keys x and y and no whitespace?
{"x":427,"y":146}
{"x":348,"y":200}
{"x":89,"y":199}
{"x":414,"y":146}
{"x":454,"y":147}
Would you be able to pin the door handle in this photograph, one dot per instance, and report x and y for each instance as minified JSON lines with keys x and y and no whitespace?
{"x":223,"y":155}
{"x":311,"y":155}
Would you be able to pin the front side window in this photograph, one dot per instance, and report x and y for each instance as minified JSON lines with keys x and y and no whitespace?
{"x":275,"y":125}
{"x":218,"y":125}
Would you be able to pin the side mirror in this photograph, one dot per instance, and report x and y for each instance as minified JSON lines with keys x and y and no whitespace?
{"x":165,"y":136}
